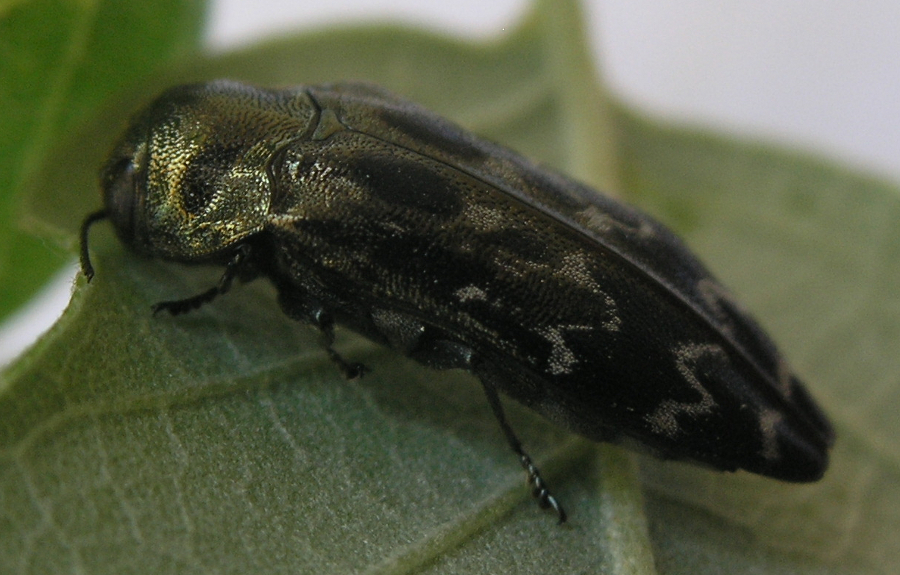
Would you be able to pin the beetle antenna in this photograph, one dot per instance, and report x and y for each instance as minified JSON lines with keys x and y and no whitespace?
{"x":86,"y":268}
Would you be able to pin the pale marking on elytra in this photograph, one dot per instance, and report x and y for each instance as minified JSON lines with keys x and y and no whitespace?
{"x":293,"y":165}
{"x":768,"y":423}
{"x":394,"y":227}
{"x":486,"y":219}
{"x":516,"y":268}
{"x":574,"y":269}
{"x":281,"y":220}
{"x":664,"y":420}
{"x":321,"y":171}
{"x":470,"y":293}
{"x":562,"y":359}
{"x":595,"y":219}
{"x":574,"y":266}
{"x":318,"y":172}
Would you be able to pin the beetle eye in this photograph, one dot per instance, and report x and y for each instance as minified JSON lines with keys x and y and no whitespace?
{"x":119,"y":196}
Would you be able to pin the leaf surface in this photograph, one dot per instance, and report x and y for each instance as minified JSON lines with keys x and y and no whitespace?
{"x":224,"y":441}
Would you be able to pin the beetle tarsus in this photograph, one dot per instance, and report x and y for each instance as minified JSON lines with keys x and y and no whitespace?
{"x":180,"y":306}
{"x":86,"y":268}
{"x":324,"y":323}
{"x":349,"y":369}
{"x":539,"y":489}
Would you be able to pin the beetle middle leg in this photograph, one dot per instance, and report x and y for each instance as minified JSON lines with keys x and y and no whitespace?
{"x":302,"y":307}
{"x":349,"y":369}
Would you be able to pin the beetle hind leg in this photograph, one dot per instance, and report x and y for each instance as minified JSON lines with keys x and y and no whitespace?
{"x":539,"y":489}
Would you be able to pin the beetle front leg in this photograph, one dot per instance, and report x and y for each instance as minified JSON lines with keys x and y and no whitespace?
{"x":539,"y":489}
{"x":235,"y":268}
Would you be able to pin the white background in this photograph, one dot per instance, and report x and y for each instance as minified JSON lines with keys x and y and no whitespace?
{"x":823,"y":75}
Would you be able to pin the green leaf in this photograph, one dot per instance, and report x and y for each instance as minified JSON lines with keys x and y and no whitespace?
{"x":61,"y":60}
{"x":224,"y":440}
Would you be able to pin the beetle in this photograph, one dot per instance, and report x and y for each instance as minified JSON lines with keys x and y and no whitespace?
{"x":365,"y":210}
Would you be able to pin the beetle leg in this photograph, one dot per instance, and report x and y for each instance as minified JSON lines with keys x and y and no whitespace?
{"x":233,"y":269}
{"x":302,"y":307}
{"x":539,"y":489}
{"x":325,"y":324}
